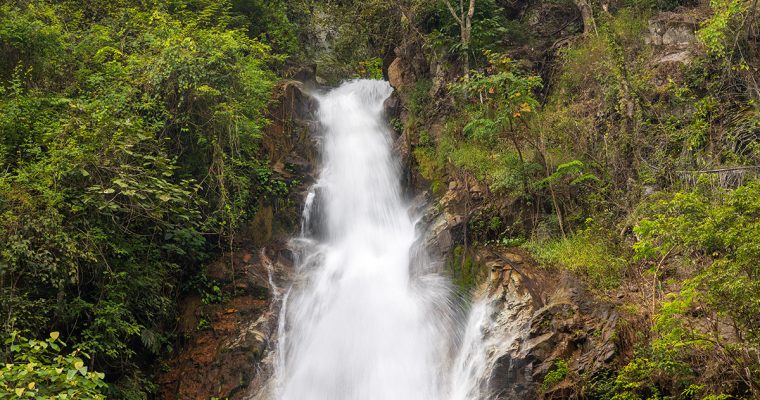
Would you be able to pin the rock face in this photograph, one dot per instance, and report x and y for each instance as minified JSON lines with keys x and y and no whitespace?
{"x":224,"y":338}
{"x":409,"y":65}
{"x":538,"y":316}
{"x":672,"y":29}
{"x":397,"y":76}
{"x":541,"y":317}
{"x":221,"y":344}
{"x":673,"y":37}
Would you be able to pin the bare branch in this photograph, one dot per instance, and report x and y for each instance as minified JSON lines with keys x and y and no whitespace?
{"x":452,"y":11}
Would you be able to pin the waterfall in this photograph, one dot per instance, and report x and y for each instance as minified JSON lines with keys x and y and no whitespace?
{"x":367,"y":317}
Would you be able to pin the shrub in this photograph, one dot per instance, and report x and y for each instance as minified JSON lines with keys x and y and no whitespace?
{"x":37,"y":369}
{"x":555,"y":375}
{"x":584,"y":253}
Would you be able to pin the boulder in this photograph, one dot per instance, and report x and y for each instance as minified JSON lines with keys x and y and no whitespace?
{"x":672,"y":29}
{"x":397,"y":76}
{"x":673,"y":37}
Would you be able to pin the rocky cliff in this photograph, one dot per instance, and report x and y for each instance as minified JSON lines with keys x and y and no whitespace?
{"x":224,"y":339}
{"x":538,"y":318}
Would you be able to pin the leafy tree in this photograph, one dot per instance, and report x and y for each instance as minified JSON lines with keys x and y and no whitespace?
{"x":129,"y":149}
{"x":716,"y":231}
{"x":463,"y":17}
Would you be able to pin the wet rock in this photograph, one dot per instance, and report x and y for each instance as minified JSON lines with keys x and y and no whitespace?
{"x":222,"y":349}
{"x":392,"y":106}
{"x":315,"y":225}
{"x":218,"y":350}
{"x":540,"y":317}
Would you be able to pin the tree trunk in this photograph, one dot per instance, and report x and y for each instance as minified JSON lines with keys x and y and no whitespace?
{"x":464,"y":19}
{"x":466,"y":37}
{"x":587,"y":14}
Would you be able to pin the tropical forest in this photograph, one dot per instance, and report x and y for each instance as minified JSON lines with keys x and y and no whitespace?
{"x":380,"y":200}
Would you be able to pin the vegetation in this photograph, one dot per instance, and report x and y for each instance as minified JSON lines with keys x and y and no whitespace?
{"x":128,"y":145}
{"x":129,"y":155}
{"x":556,"y":375}
{"x":710,"y":231}
{"x":622,"y":169}
{"x":37,"y":370}
{"x":585,"y":253}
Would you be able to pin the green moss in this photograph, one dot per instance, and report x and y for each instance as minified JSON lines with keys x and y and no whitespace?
{"x":419,"y":100}
{"x":430,"y":168}
{"x":464,"y":270}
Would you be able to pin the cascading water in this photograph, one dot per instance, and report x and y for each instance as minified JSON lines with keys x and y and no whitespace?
{"x":366,"y":317}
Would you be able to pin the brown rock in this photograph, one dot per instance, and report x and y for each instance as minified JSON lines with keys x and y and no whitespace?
{"x":398,"y":74}
{"x":514,"y":258}
{"x":494,"y":265}
{"x":495,"y":275}
{"x":261,"y":226}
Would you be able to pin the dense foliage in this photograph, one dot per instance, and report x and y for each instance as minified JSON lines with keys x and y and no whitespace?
{"x":625,"y":169}
{"x":129,"y":156}
{"x":36,"y":369}
{"x":128,"y":145}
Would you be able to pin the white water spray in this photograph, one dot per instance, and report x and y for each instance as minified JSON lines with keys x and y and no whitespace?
{"x":364,"y":319}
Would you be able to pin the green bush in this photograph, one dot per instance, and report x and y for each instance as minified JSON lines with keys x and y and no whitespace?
{"x":556,"y":375}
{"x":37,"y":369}
{"x":712,"y":233}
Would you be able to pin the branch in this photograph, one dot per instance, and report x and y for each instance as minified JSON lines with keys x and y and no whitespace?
{"x":722,"y":170}
{"x":452,"y":11}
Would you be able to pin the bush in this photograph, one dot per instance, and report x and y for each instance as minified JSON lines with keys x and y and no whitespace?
{"x":711,"y":233}
{"x":584,"y":253}
{"x":555,"y":375}
{"x":37,"y":369}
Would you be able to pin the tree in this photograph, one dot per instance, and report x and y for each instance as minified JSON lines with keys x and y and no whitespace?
{"x":464,"y":19}
{"x":584,"y":6}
